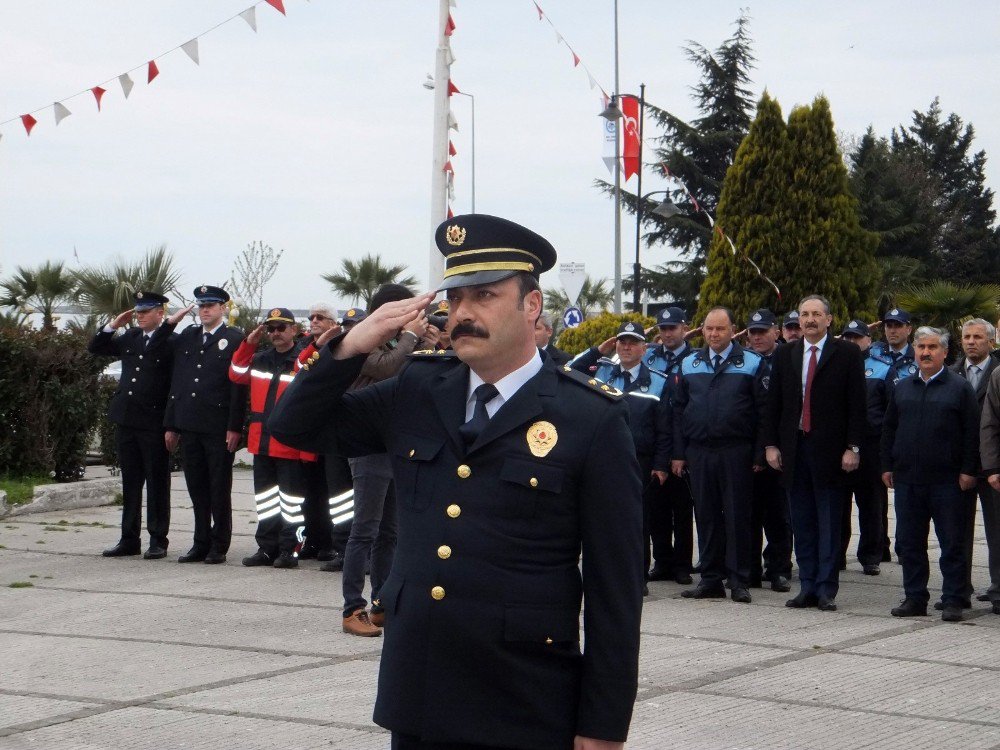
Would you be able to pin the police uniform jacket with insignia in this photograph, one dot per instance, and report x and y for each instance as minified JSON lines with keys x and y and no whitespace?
{"x":878,"y":386}
{"x":482,"y":641}
{"x":202,"y":398}
{"x":903,"y":366}
{"x":660,"y":359}
{"x":141,"y":397}
{"x":723,"y":407}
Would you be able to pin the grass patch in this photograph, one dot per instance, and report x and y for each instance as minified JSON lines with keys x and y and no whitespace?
{"x":33,"y":575}
{"x":21,"y":585}
{"x":2,"y":547}
{"x":119,"y":499}
{"x":54,"y":528}
{"x":64,"y":522}
{"x":39,"y":542}
{"x":20,"y":490}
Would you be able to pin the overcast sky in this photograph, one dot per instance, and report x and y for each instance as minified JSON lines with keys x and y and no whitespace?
{"x":314,"y":135}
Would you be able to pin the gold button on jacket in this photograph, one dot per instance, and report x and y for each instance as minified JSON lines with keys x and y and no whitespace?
{"x":444,"y":551}
{"x":437,"y":593}
{"x":454,"y":511}
{"x":464,"y":471}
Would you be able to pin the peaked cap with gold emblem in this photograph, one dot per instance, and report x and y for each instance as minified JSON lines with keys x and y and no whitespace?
{"x":279,"y":315}
{"x":482,"y":249}
{"x":206,"y":294}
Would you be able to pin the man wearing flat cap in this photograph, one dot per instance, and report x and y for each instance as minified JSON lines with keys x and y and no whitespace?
{"x":500,"y":459}
{"x":205,"y":416}
{"x":137,"y":410}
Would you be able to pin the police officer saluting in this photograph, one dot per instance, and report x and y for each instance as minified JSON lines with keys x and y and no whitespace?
{"x":137,"y":410}
{"x":205,"y":415}
{"x":501,"y":461}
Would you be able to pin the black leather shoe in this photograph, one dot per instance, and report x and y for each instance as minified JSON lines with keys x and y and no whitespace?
{"x":983,"y":598}
{"x":122,"y":550}
{"x":996,"y":608}
{"x":802,"y":601}
{"x":780,"y":583}
{"x":335,"y":565}
{"x":192,"y":555}
{"x":951,"y":613}
{"x":704,"y":592}
{"x":308,"y":552}
{"x":324,"y":555}
{"x":871,"y":570}
{"x":684,"y":579}
{"x":155,"y":552}
{"x":966,"y":604}
{"x":260,"y":557}
{"x":214,"y":558}
{"x":741,"y":595}
{"x":826,"y":605}
{"x":657,"y":573}
{"x":910,"y":608}
{"x":286,"y":560}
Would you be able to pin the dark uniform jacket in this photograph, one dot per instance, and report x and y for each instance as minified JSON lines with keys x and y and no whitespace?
{"x":141,"y":397}
{"x":483,"y":602}
{"x":839,"y":402}
{"x":556,"y":354}
{"x":202,"y":398}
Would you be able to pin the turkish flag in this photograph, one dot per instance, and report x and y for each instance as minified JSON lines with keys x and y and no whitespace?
{"x":630,"y":132}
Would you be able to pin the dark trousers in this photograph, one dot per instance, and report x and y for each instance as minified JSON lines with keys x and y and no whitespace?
{"x":916,"y":506}
{"x":208,"y":472}
{"x":720,"y":479}
{"x":144,"y":460}
{"x":989,"y":500}
{"x":279,"y":489}
{"x":771,"y":517}
{"x":871,"y":496}
{"x":406,"y":742}
{"x":340,"y":488}
{"x":816,"y":509}
{"x":671,"y":524}
{"x":316,"y":508}
{"x":373,"y":532}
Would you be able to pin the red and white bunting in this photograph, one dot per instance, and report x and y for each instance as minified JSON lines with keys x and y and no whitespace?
{"x":98,"y":93}
{"x":151,"y":71}
{"x":61,"y":111}
{"x":29,"y":122}
{"x":577,"y":61}
{"x":191,"y":50}
{"x":451,"y":149}
{"x":250,"y":16}
{"x":452,"y":122}
{"x":278,"y":5}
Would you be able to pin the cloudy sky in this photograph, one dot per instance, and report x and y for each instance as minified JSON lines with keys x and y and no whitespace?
{"x":314,"y":135}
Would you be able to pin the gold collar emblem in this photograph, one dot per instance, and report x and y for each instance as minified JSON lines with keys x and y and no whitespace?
{"x":542,"y":438}
{"x":455,"y":235}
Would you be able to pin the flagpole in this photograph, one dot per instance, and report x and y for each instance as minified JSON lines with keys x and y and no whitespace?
{"x":439,"y":184}
{"x":618,"y":185}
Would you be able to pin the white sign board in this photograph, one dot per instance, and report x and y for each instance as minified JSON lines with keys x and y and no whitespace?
{"x":572,"y":276}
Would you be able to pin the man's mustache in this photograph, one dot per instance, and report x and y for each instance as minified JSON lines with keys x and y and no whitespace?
{"x":927,"y":358}
{"x":468,"y":329}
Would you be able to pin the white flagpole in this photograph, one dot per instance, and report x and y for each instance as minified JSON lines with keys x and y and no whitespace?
{"x":618,"y":184}
{"x":439,"y":183}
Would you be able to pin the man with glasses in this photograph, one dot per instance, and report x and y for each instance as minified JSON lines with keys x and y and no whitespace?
{"x":279,"y":478}
{"x":205,"y":416}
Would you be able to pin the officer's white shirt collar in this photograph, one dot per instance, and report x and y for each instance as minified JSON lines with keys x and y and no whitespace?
{"x":634,"y":372}
{"x":712,"y":354}
{"x":677,"y":352}
{"x":507,"y":386}
{"x":212,"y":332}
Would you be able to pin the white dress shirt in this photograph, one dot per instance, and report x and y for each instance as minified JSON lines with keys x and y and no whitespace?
{"x":805,"y":358}
{"x":507,"y":386}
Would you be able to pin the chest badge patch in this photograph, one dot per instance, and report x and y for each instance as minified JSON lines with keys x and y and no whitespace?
{"x":542,"y":438}
{"x":223,"y":343}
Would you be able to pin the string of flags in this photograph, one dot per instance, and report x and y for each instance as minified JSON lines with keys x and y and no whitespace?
{"x":449,"y":169}
{"x":577,"y":61}
{"x":125,"y":80}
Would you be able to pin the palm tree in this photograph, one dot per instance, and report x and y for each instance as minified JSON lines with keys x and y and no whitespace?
{"x":947,"y":305}
{"x":108,"y":290}
{"x":358,"y":280}
{"x":40,"y":288}
{"x":899,"y":272}
{"x":595,"y":296}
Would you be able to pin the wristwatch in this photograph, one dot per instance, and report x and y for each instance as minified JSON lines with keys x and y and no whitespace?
{"x":854,"y":449}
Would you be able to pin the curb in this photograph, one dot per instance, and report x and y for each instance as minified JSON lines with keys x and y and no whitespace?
{"x":87,"y":493}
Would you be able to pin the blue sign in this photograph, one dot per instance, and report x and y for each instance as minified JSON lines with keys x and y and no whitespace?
{"x":572,"y":317}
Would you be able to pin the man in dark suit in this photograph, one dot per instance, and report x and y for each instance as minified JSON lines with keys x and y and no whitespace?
{"x":137,"y":411}
{"x":501,"y":463}
{"x":543,"y":340}
{"x":205,"y":415}
{"x":977,"y":365}
{"x":814,"y":428}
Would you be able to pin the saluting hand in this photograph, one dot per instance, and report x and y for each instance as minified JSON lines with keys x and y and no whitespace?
{"x":607,"y":347}
{"x":382,"y":325}
{"x":327,"y":335}
{"x":176,"y":317}
{"x":256,"y":335}
{"x":122,"y":319}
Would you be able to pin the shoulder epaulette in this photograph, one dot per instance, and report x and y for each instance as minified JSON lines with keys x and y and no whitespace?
{"x":425,"y":354}
{"x":591,"y":383}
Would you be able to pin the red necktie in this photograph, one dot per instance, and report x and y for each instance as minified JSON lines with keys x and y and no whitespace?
{"x":807,"y":396}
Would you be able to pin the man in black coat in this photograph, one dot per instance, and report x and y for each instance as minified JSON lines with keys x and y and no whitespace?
{"x":543,"y":340}
{"x":501,"y":461}
{"x":205,"y":414}
{"x":137,"y":411}
{"x":814,"y":427}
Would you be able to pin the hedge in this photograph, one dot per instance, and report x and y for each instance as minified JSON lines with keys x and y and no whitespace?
{"x":50,"y":402}
{"x":597,"y":329}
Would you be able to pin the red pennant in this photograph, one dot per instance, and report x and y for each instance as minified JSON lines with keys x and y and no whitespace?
{"x":449,"y":28}
{"x":450,"y":214}
{"x":540,"y":14}
{"x":448,"y":167}
{"x":452,"y":88}
{"x":278,"y":5}
{"x":151,"y":71}
{"x":451,"y":149}
{"x":576,"y":59}
{"x":98,"y":93}
{"x":29,"y":122}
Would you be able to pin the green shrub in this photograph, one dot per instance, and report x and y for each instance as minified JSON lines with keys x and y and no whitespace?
{"x":105,"y":427}
{"x":597,"y":329}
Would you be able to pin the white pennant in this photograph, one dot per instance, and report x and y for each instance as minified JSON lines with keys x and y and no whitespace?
{"x":449,"y":57}
{"x":593,"y":83}
{"x":608,"y":128}
{"x":61,"y":112}
{"x":191,"y":50}
{"x":559,"y":39}
{"x":126,"y":81}
{"x":452,"y":122}
{"x":250,"y":16}
{"x":452,"y":3}
{"x":451,"y":186}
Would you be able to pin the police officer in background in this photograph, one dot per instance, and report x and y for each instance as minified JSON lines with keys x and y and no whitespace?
{"x":205,"y":415}
{"x":790,"y":328}
{"x":870,"y":493}
{"x":771,"y":515}
{"x":671,"y":512}
{"x":896,"y":348}
{"x":137,"y":411}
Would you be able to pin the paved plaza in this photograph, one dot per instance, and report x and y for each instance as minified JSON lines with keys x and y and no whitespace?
{"x":133,"y":654}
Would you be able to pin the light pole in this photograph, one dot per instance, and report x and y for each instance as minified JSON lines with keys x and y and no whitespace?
{"x":429,"y":84}
{"x":665,"y":209}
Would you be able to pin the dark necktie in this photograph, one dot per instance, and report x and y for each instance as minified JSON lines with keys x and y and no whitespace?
{"x":204,"y":338}
{"x":717,"y":362}
{"x":480,"y":417}
{"x":145,"y":340}
{"x":972,"y":375}
{"x":895,"y":356}
{"x":807,"y":396}
{"x":626,"y":380}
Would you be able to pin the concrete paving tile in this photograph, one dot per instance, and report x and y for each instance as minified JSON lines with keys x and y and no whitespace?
{"x":22,"y":709}
{"x":970,"y":644}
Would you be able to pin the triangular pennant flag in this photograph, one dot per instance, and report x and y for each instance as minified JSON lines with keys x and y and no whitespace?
{"x":449,"y":57}
{"x":98,"y":92}
{"x":452,"y":122}
{"x":191,"y":50}
{"x":540,"y":14}
{"x":451,"y":188}
{"x":452,"y":88}
{"x":151,"y":71}
{"x":278,"y":5}
{"x":576,"y":60}
{"x":450,"y":214}
{"x":449,"y":28}
{"x":452,"y":4}
{"x":451,"y":149}
{"x":559,"y":38}
{"x":62,"y":112}
{"x":250,"y":16}
{"x":448,"y":167}
{"x":593,"y":83}
{"x":126,"y":81}
{"x":29,"y":122}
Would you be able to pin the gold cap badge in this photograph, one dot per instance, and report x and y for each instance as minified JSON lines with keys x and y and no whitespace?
{"x":350,"y":313}
{"x":455,"y":235}
{"x":542,"y":438}
{"x":275,"y":313}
